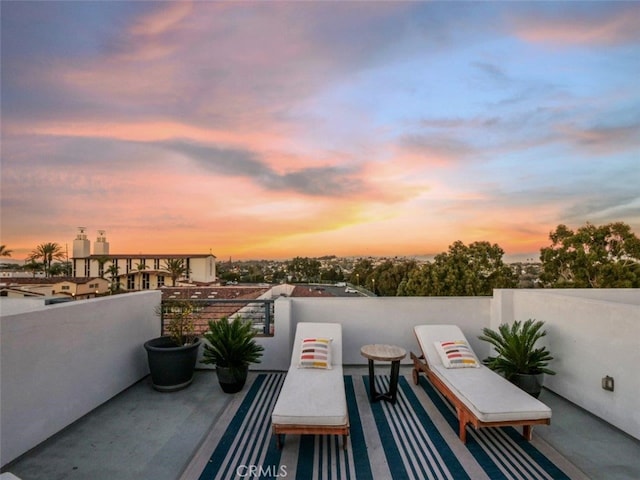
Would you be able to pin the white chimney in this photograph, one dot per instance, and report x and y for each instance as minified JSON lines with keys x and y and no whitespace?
{"x":101,"y":246}
{"x":81,"y":244}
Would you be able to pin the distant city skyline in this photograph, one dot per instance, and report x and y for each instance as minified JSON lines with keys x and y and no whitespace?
{"x":269,"y":130}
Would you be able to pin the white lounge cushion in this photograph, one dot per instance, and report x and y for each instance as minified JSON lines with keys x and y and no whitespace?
{"x":312,"y":396}
{"x":487,"y":394}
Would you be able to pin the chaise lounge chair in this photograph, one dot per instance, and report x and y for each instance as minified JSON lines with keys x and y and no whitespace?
{"x":312,"y":400}
{"x":480,"y":396}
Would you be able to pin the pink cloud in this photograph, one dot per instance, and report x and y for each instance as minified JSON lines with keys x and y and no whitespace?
{"x":149,"y":131}
{"x":602,"y":140}
{"x":611,"y":28}
{"x":163,"y":19}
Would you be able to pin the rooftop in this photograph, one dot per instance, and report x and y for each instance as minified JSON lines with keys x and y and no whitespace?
{"x":141,"y":434}
{"x":86,"y":409}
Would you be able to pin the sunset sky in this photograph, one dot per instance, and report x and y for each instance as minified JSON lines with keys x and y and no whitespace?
{"x":277,"y":129}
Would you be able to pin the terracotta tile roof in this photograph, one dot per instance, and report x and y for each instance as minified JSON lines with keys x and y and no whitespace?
{"x":205,"y":293}
{"x":218,"y":310}
{"x":26,"y":293}
{"x":306,"y":291}
{"x":47,"y":281}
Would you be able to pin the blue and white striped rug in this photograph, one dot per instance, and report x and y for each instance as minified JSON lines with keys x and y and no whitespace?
{"x":414,"y":439}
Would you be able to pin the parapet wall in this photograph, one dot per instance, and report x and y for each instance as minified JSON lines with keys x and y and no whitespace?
{"x":591,"y":334}
{"x":59,"y":362}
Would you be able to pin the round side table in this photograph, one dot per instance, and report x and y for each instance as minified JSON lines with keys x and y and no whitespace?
{"x":384,"y":353}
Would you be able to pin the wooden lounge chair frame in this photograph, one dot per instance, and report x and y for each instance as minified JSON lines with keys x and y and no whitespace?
{"x":311,"y":430}
{"x":464,"y":414}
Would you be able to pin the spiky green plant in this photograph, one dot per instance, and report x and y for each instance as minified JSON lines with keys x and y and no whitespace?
{"x":231,"y":343}
{"x":515,"y":348}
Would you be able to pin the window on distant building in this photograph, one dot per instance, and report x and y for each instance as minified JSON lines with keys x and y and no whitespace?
{"x":156,"y":264}
{"x":131,"y":282}
{"x":87,"y":268}
{"x":129,"y":264}
{"x":160,"y":281}
{"x":64,"y":287}
{"x":145,"y":281}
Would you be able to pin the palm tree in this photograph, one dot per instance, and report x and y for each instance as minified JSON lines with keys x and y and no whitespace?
{"x":66,"y":268}
{"x":176,"y":269}
{"x":32,"y":266}
{"x":113,"y":273}
{"x":56,"y":270}
{"x":141,"y":267}
{"x":101,"y":261}
{"x":4,"y":252}
{"x":48,"y":252}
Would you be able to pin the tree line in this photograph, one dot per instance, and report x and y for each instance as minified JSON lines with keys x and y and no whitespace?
{"x":48,"y":252}
{"x":606,"y":256}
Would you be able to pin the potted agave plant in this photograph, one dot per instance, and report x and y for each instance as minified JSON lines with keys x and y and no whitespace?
{"x":172,"y":357}
{"x":517,"y":359}
{"x":231,"y":347}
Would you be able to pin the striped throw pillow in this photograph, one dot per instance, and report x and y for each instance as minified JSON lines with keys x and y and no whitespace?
{"x":456,"y":354}
{"x":315,"y":353}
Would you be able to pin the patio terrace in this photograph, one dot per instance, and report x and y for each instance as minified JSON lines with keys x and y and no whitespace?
{"x":76,"y":402}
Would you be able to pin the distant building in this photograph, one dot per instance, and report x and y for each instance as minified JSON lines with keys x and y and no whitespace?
{"x":139,"y":271}
{"x":8,"y":274}
{"x":73,"y":288}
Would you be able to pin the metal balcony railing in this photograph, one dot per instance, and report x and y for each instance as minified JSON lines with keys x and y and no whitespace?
{"x":259,"y":312}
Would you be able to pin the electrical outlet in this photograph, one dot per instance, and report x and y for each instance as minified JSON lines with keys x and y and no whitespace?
{"x":607,"y":383}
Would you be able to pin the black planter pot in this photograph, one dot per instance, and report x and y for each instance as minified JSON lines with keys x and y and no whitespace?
{"x":232,"y":379}
{"x":530,"y":383}
{"x":171,"y":367}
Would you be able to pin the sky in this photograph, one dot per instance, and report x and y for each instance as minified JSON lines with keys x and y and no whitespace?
{"x":280,"y":129}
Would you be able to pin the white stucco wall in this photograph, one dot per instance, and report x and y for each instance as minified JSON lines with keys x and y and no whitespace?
{"x":61,"y":361}
{"x":277,"y":349}
{"x":10,"y":306}
{"x":202,"y":269}
{"x":591,"y":334}
{"x":372,"y":320}
{"x":391,"y":320}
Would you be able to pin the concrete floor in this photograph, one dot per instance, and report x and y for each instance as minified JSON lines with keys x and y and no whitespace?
{"x":139,"y":434}
{"x":598,"y":449}
{"x":142,"y":434}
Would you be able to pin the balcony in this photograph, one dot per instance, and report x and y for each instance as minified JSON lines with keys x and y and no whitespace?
{"x":76,"y":399}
